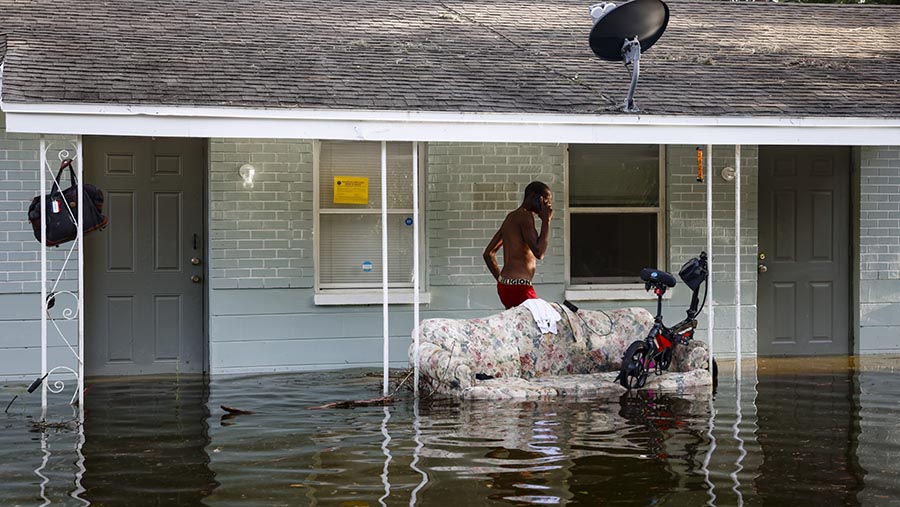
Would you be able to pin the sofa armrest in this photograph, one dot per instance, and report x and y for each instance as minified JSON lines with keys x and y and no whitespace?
{"x":445,"y":370}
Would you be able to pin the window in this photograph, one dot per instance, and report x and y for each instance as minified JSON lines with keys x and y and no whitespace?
{"x":348,"y":222}
{"x":616,"y":212}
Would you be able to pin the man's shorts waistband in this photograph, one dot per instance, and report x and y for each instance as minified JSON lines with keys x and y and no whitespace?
{"x":514,"y":281}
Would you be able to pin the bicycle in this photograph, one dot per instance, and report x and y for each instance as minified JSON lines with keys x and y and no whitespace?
{"x":655,"y":352}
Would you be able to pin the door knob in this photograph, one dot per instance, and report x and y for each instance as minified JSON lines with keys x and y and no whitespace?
{"x":762,"y":268}
{"x":195,"y":261}
{"x":196,"y":278}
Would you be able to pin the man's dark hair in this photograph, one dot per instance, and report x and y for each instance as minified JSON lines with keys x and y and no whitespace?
{"x":536,"y":187}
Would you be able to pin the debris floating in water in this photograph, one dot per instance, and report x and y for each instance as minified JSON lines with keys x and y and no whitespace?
{"x":383,"y":400}
{"x":236,"y":411}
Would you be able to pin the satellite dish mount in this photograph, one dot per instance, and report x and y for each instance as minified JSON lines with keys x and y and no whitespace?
{"x":621,"y":33}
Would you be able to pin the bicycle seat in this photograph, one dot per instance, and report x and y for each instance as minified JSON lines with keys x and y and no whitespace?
{"x":652,"y":275}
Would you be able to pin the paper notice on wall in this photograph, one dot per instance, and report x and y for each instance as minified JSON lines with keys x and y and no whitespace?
{"x":351,"y":190}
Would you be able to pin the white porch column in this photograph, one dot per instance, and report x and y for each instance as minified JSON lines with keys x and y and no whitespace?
{"x":43,"y":194}
{"x":384,"y":264}
{"x":415,"y":184}
{"x":709,"y":248}
{"x":79,"y":161}
{"x":737,"y":263}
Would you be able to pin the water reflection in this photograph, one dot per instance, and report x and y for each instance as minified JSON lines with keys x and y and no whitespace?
{"x":145,"y":440}
{"x":73,"y":424}
{"x":387,"y":456}
{"x":785,"y":435}
{"x":417,"y":453}
{"x":808,"y":430}
{"x":736,"y":433}
{"x":711,"y":488}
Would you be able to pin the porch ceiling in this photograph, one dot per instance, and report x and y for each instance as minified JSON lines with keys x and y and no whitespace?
{"x":717,"y":59}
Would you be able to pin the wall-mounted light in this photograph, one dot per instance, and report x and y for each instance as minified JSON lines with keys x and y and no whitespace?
{"x":247,"y":172}
{"x":728,"y":174}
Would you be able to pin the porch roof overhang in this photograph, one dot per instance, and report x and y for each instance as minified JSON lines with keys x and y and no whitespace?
{"x":436,"y":126}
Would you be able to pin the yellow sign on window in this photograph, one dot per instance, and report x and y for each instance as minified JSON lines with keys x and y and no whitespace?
{"x":351,"y":190}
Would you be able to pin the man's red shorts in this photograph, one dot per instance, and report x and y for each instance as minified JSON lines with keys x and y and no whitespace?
{"x":514,"y":295}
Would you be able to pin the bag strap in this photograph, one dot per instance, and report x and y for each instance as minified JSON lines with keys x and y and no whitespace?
{"x":57,"y":183}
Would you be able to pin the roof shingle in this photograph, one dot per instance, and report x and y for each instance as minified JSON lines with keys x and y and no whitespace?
{"x":520,"y":56}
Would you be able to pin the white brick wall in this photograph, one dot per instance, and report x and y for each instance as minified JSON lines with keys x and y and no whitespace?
{"x":20,"y":255}
{"x":879,"y":213}
{"x":686,"y":202}
{"x":261,"y":237}
{"x":879,"y":250}
{"x":470,"y":189}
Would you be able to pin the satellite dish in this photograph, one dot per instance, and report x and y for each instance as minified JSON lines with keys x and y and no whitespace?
{"x":622,"y":32}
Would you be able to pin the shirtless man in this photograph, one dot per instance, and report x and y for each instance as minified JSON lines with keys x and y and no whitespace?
{"x":522,"y":245}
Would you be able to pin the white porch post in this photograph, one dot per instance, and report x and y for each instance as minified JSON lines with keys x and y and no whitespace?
{"x":43,"y":195}
{"x":415,"y":183}
{"x":80,"y":173}
{"x":384,"y":263}
{"x":76,"y":311}
{"x":737,"y":263}
{"x":709,"y":248}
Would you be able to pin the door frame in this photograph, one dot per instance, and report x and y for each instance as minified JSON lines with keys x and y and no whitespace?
{"x":205,"y":225}
{"x":853,"y":309}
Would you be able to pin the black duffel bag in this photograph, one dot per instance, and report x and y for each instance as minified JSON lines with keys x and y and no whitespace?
{"x":61,"y":213}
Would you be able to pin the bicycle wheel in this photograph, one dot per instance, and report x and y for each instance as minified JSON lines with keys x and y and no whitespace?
{"x":634,"y":371}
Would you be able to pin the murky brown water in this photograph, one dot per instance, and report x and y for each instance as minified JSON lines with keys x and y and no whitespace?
{"x":793,"y":432}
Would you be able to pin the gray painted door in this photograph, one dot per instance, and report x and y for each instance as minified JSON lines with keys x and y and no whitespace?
{"x":804,"y":233}
{"x":144,"y":314}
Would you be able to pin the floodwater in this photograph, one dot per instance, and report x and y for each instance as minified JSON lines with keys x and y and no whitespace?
{"x":792,"y":432}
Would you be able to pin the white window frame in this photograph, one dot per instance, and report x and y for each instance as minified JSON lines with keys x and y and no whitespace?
{"x":371,"y":294}
{"x":616,"y":291}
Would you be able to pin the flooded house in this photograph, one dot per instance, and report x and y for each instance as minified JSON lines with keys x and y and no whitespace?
{"x":251,"y":153}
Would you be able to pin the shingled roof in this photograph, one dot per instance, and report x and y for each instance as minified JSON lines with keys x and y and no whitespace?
{"x":520,"y":56}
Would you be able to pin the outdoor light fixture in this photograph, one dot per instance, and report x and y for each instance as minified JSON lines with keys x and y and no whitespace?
{"x":247,"y":172}
{"x":728,"y":174}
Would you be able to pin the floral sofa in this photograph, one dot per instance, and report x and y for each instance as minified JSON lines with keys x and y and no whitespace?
{"x":505,"y":356}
